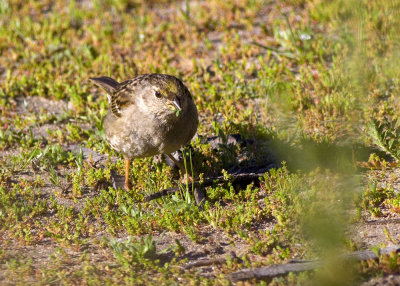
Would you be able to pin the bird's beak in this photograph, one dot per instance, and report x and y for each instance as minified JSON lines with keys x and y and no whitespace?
{"x":177,"y":103}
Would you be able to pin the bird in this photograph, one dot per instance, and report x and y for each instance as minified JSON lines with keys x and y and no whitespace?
{"x":148,"y":114}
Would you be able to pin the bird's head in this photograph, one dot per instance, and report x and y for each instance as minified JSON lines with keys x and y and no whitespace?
{"x":159,"y":94}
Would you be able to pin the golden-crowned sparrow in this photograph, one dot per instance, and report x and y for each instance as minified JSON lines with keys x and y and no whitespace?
{"x":149,"y":114}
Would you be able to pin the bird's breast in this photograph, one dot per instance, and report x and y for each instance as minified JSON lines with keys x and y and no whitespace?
{"x":140,"y":134}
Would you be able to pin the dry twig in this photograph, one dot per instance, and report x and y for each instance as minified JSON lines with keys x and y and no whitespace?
{"x":299,"y":266}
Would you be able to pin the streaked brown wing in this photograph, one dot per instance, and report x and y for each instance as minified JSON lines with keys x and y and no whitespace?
{"x":121,"y":99}
{"x":124,"y":95}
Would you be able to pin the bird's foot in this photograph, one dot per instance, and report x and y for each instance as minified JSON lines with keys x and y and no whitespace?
{"x":127,"y":186}
{"x":186,"y":179}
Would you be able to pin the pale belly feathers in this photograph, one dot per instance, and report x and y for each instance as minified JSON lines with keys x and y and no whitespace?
{"x":150,"y":134}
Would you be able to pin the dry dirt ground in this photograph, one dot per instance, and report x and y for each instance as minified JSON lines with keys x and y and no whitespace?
{"x":204,"y":256}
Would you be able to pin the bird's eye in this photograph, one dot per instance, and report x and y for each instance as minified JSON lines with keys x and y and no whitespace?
{"x":158,"y":94}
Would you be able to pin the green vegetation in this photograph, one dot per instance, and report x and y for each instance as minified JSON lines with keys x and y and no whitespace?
{"x":312,"y":87}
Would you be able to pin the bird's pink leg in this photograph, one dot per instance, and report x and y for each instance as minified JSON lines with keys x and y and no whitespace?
{"x":127,"y":185}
